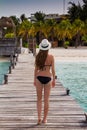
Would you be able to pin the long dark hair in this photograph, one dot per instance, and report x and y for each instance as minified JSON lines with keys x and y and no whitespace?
{"x":41,"y":58}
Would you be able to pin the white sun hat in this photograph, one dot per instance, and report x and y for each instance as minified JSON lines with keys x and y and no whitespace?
{"x":44,"y":45}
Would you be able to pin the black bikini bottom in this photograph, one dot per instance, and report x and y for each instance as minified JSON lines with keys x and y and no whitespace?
{"x":43,"y":79}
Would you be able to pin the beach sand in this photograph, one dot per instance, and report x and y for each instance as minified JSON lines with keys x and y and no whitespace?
{"x":71,"y":54}
{"x":4,"y":59}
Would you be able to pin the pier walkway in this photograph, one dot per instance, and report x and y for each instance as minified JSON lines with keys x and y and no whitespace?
{"x":18,"y":102}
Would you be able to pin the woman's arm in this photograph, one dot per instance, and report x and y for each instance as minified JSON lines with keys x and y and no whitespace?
{"x":35,"y":72}
{"x":53,"y":72}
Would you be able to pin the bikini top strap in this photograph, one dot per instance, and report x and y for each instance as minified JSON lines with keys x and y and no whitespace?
{"x":48,"y":65}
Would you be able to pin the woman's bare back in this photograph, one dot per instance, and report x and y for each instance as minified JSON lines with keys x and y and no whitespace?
{"x":46,"y":71}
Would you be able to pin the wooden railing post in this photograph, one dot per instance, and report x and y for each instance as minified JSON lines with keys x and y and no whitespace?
{"x":13,"y":64}
{"x":55,"y":76}
{"x":16,"y":57}
{"x":67,"y":91}
{"x":34,"y":46}
{"x":5,"y":79}
{"x":85,"y":116}
{"x":12,"y":60}
{"x":9,"y":69}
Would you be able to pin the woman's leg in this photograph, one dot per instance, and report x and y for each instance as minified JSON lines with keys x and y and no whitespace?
{"x":47,"y":89}
{"x":39,"y":88}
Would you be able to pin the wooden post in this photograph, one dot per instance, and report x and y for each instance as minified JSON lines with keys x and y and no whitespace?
{"x":67,"y":91}
{"x":12,"y":64}
{"x":34,"y":46}
{"x":15,"y":62}
{"x":11,"y":59}
{"x":16,"y":57}
{"x":55,"y":76}
{"x":85,"y":116}
{"x":5,"y":79}
{"x":9,"y":69}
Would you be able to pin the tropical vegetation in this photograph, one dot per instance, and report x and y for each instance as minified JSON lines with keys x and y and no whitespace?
{"x":70,"y":30}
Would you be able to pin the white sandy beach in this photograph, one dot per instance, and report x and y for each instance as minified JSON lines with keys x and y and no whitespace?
{"x":71,"y":54}
{"x":3,"y":59}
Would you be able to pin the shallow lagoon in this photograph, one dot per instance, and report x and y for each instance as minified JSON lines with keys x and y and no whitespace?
{"x":73,"y":75}
{"x":4,"y":67}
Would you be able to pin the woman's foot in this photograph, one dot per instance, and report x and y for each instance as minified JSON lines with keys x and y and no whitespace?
{"x":44,"y":121}
{"x":39,"y":122}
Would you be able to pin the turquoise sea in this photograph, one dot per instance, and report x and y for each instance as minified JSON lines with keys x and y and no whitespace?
{"x":73,"y":75}
{"x":4,"y":67}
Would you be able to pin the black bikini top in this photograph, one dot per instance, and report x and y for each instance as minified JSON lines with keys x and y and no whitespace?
{"x":48,"y":65}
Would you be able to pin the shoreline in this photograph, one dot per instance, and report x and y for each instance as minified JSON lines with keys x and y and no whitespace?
{"x":4,"y":59}
{"x":69,"y":55}
{"x":61,"y":54}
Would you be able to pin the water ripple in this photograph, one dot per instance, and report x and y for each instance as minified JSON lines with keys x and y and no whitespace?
{"x":73,"y":75}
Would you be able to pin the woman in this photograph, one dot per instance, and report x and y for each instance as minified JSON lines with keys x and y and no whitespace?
{"x":44,"y":78}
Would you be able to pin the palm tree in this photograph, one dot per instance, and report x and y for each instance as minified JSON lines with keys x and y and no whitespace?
{"x":39,"y":16}
{"x":45,"y":29}
{"x":84,"y":36}
{"x":24,"y":29}
{"x":63,"y":30}
{"x":78,"y":29}
{"x":39,"y":22}
{"x":38,"y":26}
{"x":28,"y":30}
{"x":16,"y":22}
{"x":23,"y":17}
{"x":48,"y":28}
{"x":84,"y":12}
{"x":75,"y":11}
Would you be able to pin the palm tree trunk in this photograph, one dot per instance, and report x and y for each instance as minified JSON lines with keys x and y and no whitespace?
{"x":77,"y":40}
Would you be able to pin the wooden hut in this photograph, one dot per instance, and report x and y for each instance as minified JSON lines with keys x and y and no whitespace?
{"x":8,"y":46}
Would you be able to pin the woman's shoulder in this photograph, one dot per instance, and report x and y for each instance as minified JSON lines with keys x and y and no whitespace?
{"x":50,"y":56}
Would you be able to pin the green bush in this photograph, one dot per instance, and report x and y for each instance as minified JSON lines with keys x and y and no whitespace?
{"x":84,"y":38}
{"x":66,"y":44}
{"x":37,"y":46}
{"x":9,"y":35}
{"x":25,"y":45}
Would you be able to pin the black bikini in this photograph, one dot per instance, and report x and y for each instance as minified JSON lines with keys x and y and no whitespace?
{"x":44,"y":79}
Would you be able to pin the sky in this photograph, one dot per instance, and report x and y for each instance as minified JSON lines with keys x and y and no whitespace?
{"x":28,"y":7}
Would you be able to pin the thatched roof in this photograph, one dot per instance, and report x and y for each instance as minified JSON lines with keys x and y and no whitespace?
{"x":6,"y":22}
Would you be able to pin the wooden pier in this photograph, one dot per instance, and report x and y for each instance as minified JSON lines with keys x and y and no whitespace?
{"x":18,"y":102}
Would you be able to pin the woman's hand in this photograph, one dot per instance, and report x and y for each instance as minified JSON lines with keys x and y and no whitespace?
{"x":34,"y":82}
{"x":53,"y":83}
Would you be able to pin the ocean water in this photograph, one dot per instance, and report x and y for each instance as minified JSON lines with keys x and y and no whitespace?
{"x":73,"y":75}
{"x":4,"y":67}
